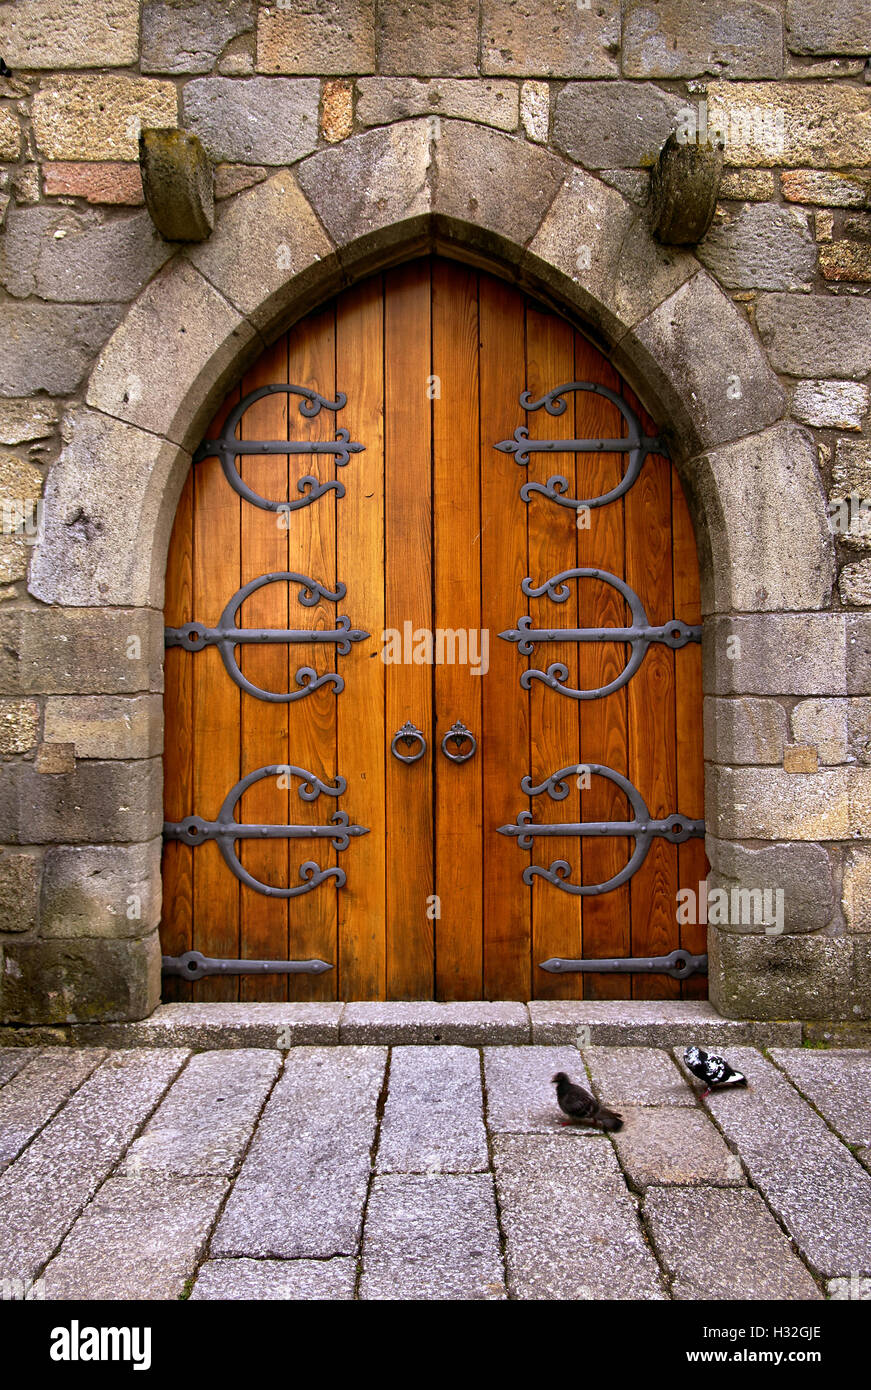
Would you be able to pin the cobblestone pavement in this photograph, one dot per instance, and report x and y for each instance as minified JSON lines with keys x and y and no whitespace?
{"x":430,"y":1172}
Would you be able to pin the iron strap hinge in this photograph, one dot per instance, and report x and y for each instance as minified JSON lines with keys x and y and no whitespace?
{"x":193,"y":965}
{"x":679,"y":965}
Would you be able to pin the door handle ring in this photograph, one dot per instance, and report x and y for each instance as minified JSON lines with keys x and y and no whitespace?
{"x":408,"y":734}
{"x":458,"y":734}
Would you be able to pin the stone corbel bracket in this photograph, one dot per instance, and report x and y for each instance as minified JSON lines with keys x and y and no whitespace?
{"x":684,"y":184}
{"x":179,"y":184}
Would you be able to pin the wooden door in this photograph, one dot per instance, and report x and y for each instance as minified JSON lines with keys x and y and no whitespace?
{"x":401,"y":565}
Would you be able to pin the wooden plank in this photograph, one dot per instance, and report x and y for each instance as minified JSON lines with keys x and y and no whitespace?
{"x":177,"y":917}
{"x":216,"y":706}
{"x":505,"y":723}
{"x":692,"y":861}
{"x":408,"y":600}
{"x":457,"y":592}
{"x":604,"y":736}
{"x":360,"y":711}
{"x":264,"y":725}
{"x":652,"y":763}
{"x":312,"y":720}
{"x":553,"y":718}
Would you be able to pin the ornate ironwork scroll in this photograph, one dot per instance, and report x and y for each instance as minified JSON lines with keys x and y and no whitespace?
{"x":226,"y":830}
{"x":226,"y":447}
{"x":193,"y":637}
{"x":643,"y":829}
{"x":638,"y":636}
{"x":637,"y":445}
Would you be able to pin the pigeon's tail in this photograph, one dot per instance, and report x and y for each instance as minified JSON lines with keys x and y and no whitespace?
{"x":609,"y":1119}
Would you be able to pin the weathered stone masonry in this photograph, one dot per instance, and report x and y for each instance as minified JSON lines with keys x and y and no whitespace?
{"x":347,"y":135}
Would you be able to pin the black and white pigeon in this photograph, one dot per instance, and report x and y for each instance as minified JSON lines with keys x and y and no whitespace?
{"x":713,"y":1069}
{"x":581,"y":1107}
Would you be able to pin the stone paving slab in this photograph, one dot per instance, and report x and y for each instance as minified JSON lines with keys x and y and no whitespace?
{"x":433,"y":1119}
{"x":204,"y":1123}
{"x":475,"y":1023}
{"x":223,"y":1025}
{"x":268,"y":1280}
{"x":43,"y":1191}
{"x":673,"y":1146}
{"x":432,"y":1238}
{"x":520,"y":1096}
{"x":723,"y":1244}
{"x":28,"y":1100}
{"x":807,"y":1176}
{"x":838,"y":1084}
{"x":636,"y":1076}
{"x":139,"y":1238}
{"x":650,"y":1023}
{"x":571,"y":1226}
{"x":12,"y":1059}
{"x":302,"y":1186}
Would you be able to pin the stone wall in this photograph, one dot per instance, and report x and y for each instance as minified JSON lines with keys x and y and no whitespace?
{"x":527,"y":127}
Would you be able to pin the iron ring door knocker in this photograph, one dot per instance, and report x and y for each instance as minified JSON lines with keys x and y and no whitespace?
{"x":408,"y":734}
{"x":458,"y":734}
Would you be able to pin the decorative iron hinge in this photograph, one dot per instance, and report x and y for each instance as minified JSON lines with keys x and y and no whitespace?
{"x":643,"y":829}
{"x":639,"y":636}
{"x":226,"y":447}
{"x":193,"y":965}
{"x":637,"y":445}
{"x":193,"y":637}
{"x":678,"y":964}
{"x":226,"y":830}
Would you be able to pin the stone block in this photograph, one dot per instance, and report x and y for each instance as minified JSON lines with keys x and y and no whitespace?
{"x":826,"y":125}
{"x":857,"y":627}
{"x":337,"y":111}
{"x":117,"y":802}
{"x":79,"y":650}
{"x":748,"y":185}
{"x":843,"y":26}
{"x":715,"y":395}
{"x":846,"y":260}
{"x":671,"y":39}
{"x":381,"y":100}
{"x":809,"y":334}
{"x":46,"y":34}
{"x":780,"y":654}
{"x":107,"y":726}
{"x":10,"y":135}
{"x":780,"y":976}
{"x":638,"y":1076}
{"x":472,"y":1024}
{"x":298,"y":37}
{"x":761,"y":247}
{"x":520,"y":1096}
{"x":79,"y":981}
{"x":433,"y":1118}
{"x":263,"y":1280}
{"x":19,"y":890}
{"x":803,"y":872}
{"x":215,"y":1026}
{"x":19,"y":726}
{"x":744,"y":730}
{"x":99,"y":542}
{"x":178,"y":182}
{"x":148,"y":379}
{"x":428,"y":37}
{"x":859,"y":730}
{"x":57,"y":253}
{"x":649,"y":1023}
{"x":723,"y":1244}
{"x":826,"y":189}
{"x":190,"y":37}
{"x":856,"y":900}
{"x":285,"y":246}
{"x":837,"y":1083}
{"x":433,"y":1238}
{"x":840,"y":405}
{"x":99,"y":116}
{"x":254,"y":120}
{"x":613,"y":125}
{"x":37,"y":1092}
{"x":854,"y":584}
{"x":800,"y":757}
{"x":50,"y":347}
{"x":535,"y":111}
{"x":53,"y":759}
{"x":96,"y":183}
{"x":101,"y":891}
{"x":822,"y":723}
{"x":673,"y":1147}
{"x":25,"y":420}
{"x":550,"y":39}
{"x":768,"y":803}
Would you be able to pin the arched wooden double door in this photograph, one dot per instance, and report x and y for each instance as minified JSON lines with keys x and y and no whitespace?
{"x":409,"y":572}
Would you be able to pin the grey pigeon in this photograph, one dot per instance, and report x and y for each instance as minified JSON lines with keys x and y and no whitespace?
{"x":581,"y":1107}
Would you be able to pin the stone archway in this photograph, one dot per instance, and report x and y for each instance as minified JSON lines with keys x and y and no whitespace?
{"x":532,"y":217}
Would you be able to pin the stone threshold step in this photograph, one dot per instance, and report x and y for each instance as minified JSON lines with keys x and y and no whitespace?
{"x":602,"y":1023}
